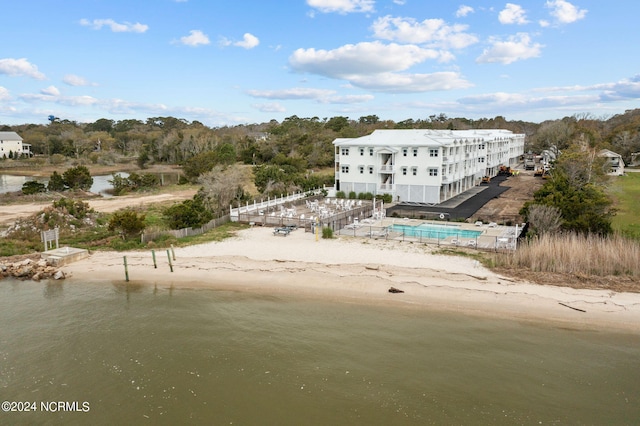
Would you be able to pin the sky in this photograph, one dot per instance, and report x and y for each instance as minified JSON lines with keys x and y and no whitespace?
{"x":234,"y":62}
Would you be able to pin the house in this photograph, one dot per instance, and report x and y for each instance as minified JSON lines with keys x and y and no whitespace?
{"x":11,"y":145}
{"x":614,"y":162}
{"x":423,"y":166}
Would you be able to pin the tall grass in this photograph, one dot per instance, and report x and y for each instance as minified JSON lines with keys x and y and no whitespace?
{"x":626,"y":192}
{"x":577,"y":254}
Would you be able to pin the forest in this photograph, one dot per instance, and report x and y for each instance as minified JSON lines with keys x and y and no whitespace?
{"x":303,"y":143}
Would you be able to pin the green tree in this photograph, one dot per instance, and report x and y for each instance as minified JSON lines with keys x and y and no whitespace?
{"x":33,"y":187}
{"x":188,"y":214}
{"x":78,"y":178}
{"x":127,"y":223}
{"x":56,"y":183}
{"x":199,"y":164}
{"x":576,"y":188}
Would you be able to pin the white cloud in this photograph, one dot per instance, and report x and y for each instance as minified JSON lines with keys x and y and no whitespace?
{"x":249,"y":41}
{"x":4,"y":94}
{"x":375,"y":66}
{"x":463,"y":11}
{"x":125,"y":27}
{"x":433,"y":32}
{"x":294,"y":93}
{"x":516,"y":48}
{"x":399,"y":2}
{"x":269,"y":107}
{"x":565,"y":12}
{"x":513,"y":14}
{"x":20,"y":67}
{"x":75,"y":80}
{"x":51,"y":91}
{"x":361,"y":58}
{"x":342,"y":6}
{"x":195,"y":38}
{"x":61,"y":100}
{"x":350,"y":99}
{"x":411,"y":83}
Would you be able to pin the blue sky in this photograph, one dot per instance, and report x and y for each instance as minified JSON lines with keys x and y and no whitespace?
{"x":240,"y":62}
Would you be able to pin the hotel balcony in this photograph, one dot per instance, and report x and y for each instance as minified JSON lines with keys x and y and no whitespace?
{"x":386,"y":187}
{"x":386,"y":168}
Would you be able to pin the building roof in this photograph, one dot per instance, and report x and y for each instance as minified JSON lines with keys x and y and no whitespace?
{"x":10,"y":136}
{"x":425,"y":137}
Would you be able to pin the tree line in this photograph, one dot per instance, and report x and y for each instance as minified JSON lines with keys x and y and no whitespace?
{"x":287,"y":155}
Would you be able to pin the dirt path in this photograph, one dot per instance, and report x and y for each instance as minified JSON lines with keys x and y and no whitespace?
{"x":507,"y":206}
{"x":9,"y":213}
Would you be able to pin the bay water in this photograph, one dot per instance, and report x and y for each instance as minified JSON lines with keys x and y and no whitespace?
{"x":120,"y":353}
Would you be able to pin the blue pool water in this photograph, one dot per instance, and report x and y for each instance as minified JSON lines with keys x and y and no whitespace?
{"x":427,"y":230}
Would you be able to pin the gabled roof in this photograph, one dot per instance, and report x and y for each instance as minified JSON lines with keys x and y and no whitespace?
{"x":425,"y":137}
{"x":607,"y":153}
{"x":10,"y":136}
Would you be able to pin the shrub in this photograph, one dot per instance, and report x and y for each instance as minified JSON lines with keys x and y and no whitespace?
{"x":78,"y":178}
{"x":77,"y":209}
{"x":188,"y":214}
{"x":127,"y":223}
{"x":341,"y":194}
{"x":33,"y":187}
{"x":56,"y":183}
{"x":327,"y":233}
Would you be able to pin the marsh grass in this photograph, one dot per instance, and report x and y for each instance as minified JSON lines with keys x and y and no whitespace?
{"x":577,"y":254}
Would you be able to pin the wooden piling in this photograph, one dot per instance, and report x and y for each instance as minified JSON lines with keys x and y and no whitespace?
{"x":126,"y":269}
{"x":169,"y":257}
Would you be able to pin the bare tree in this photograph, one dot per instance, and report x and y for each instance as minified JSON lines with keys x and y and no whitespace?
{"x":223,"y":185}
{"x":545,"y":219}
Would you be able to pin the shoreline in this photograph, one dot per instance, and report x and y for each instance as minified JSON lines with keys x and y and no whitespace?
{"x":352,"y":270}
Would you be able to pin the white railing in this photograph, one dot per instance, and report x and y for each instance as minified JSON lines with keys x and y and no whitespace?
{"x":269,"y":203}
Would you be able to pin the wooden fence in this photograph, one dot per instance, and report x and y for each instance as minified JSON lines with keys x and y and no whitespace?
{"x":185,"y":232}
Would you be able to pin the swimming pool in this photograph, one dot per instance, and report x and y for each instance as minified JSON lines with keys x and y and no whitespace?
{"x":427,"y":230}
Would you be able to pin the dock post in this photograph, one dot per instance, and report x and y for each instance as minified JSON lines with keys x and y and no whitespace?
{"x":169,"y":257}
{"x":153,"y":254}
{"x":126,"y":269}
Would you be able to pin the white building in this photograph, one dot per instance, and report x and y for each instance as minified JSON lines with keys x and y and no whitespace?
{"x":615,"y":163}
{"x":423,"y":166}
{"x":11,"y":142}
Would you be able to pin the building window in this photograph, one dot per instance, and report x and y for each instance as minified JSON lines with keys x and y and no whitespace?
{"x":404,"y":171}
{"x":371,"y":152}
{"x":414,"y":171}
{"x":433,"y":172}
{"x":433,"y":153}
{"x":415,"y":152}
{"x":370,"y":170}
{"x":481,"y":159}
{"x":344,"y":151}
{"x":481,"y":146}
{"x":404,"y":152}
{"x":361,"y":151}
{"x":361,"y":168}
{"x":344,"y":169}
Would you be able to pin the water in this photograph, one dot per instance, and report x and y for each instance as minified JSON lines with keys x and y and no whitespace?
{"x":138,"y":354}
{"x":435,"y":231}
{"x":10,"y":183}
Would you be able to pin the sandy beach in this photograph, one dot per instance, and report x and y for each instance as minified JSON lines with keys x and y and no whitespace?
{"x":353,"y":270}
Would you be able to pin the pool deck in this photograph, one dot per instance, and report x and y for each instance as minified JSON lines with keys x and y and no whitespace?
{"x":492,"y":236}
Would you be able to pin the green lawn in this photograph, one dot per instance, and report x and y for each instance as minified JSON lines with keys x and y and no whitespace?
{"x":626,"y":192}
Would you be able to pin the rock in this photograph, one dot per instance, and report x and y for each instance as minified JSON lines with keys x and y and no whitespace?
{"x":59,"y":275}
{"x":23,"y":272}
{"x":395,"y":290}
